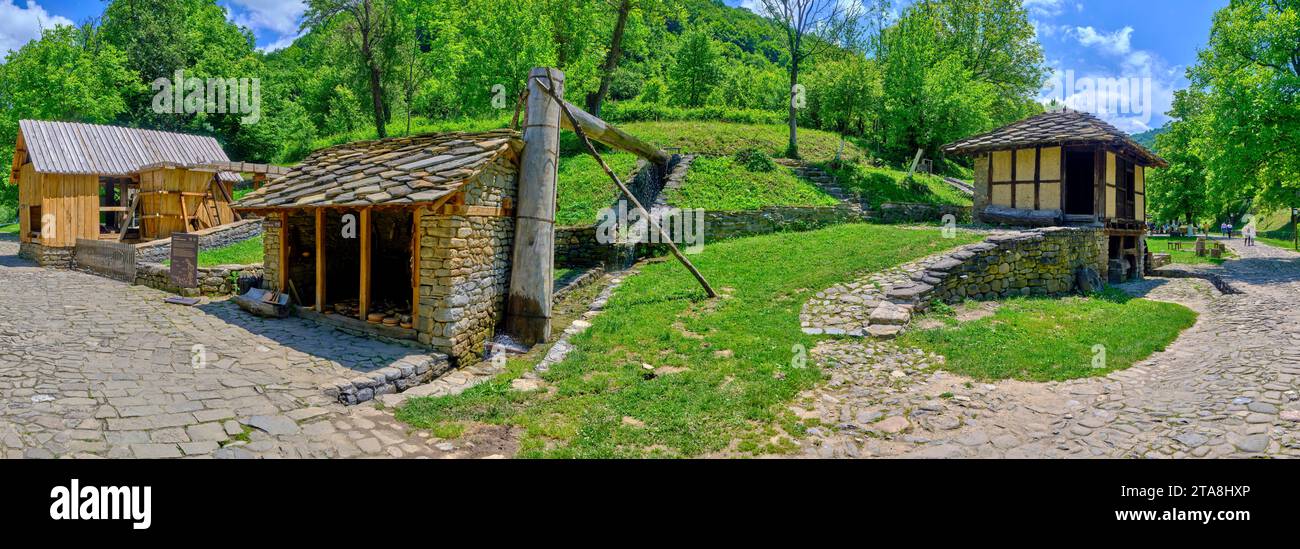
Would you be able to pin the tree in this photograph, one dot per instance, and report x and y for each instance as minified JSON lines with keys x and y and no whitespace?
{"x":1250,"y":121}
{"x":67,"y":74}
{"x":950,"y":73}
{"x":811,"y":27}
{"x":365,"y":25}
{"x":623,"y":9}
{"x":1178,"y":191}
{"x":696,"y":71}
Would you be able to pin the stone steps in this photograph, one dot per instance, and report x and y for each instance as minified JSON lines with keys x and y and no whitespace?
{"x":825,"y":182}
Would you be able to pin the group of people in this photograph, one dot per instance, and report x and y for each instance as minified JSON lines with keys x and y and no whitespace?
{"x":1247,"y":232}
{"x":1226,"y":228}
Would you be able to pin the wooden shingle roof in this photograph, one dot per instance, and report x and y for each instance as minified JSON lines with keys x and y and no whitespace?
{"x":411,"y":170}
{"x":94,"y":149}
{"x":1062,"y":127}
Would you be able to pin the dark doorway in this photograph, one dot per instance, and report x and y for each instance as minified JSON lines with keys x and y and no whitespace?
{"x":1079,"y":169}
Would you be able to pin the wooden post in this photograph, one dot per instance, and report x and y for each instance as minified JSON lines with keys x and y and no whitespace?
{"x":282,"y":277}
{"x":601,"y":131}
{"x":533,"y":262}
{"x":415,"y":267}
{"x":365,"y":263}
{"x":320,"y":259}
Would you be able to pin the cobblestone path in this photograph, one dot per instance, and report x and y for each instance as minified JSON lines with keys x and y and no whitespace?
{"x":91,"y":367}
{"x":1228,"y":387}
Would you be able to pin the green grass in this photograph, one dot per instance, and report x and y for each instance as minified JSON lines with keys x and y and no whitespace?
{"x":660,"y":317}
{"x":726,"y":138}
{"x":881,"y":185}
{"x":583,"y":188}
{"x":11,"y":228}
{"x":244,"y":252}
{"x":1288,"y":243}
{"x":1186,"y":256}
{"x":722,"y":184}
{"x":1039,"y":339}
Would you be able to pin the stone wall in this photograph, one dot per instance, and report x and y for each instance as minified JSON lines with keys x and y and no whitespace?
{"x":1035,"y":262}
{"x":213,"y":281}
{"x":465,"y":269}
{"x":271,"y":252}
{"x":913,"y":212}
{"x":157,"y":251}
{"x":46,"y":256}
{"x":578,"y":247}
{"x":406,"y":373}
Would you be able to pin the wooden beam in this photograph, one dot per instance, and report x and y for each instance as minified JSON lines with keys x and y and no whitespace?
{"x":282,"y":277}
{"x":365,"y":263}
{"x":601,"y":131}
{"x":320,"y":260}
{"x":1038,"y":160}
{"x":415,"y":266}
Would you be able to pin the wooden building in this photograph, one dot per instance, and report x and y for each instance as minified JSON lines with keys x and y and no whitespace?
{"x":412,"y":235}
{"x":1065,"y":167}
{"x":84,"y":181}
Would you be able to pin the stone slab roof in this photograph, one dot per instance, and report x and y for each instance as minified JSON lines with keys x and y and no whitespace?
{"x":1055,"y":128}
{"x":411,"y":170}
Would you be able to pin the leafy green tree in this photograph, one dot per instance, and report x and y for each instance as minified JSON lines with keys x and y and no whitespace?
{"x":1178,"y":192}
{"x":1250,"y":121}
{"x":68,"y":74}
{"x":365,"y":25}
{"x":812,"y":28}
{"x":697,"y":69}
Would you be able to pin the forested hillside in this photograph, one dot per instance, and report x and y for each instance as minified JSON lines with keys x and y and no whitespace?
{"x":367,"y":68}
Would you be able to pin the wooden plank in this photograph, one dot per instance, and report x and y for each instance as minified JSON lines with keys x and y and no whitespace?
{"x":365,"y":263}
{"x":320,"y":259}
{"x":1014,"y":160}
{"x":415,"y":267}
{"x":1038,"y":172}
{"x":282,"y":277}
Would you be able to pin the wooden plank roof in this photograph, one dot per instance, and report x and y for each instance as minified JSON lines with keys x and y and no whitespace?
{"x":1055,"y":128}
{"x":411,"y":170}
{"x":93,"y":149}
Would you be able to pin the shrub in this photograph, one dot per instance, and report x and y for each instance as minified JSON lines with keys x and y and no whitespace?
{"x":754,"y":160}
{"x":641,"y":111}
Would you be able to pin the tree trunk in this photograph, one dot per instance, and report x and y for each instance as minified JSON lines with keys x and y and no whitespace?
{"x":595,"y":99}
{"x":792,"y":150}
{"x":377,"y":97}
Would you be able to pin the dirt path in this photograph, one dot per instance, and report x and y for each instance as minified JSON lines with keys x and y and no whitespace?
{"x":1228,"y":387}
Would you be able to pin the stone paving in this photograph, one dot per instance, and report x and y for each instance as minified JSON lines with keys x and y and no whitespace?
{"x":91,"y":367}
{"x":1228,"y":387}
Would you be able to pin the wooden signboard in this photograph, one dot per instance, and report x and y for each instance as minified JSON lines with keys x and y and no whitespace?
{"x":185,"y":260}
{"x":107,"y":258}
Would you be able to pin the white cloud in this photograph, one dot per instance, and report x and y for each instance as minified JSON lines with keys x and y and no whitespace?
{"x":278,"y":16}
{"x":282,"y":43}
{"x":1045,"y":8}
{"x":21,"y":25}
{"x":1115,"y":43}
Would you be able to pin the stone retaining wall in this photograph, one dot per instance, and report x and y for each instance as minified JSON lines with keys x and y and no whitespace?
{"x":157,"y":251}
{"x":1034,"y":262}
{"x":405,"y":373}
{"x":213,"y":281}
{"x":578,"y":247}
{"x":912,"y":212}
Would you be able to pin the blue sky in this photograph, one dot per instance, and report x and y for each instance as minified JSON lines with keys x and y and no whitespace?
{"x":1154,"y":40}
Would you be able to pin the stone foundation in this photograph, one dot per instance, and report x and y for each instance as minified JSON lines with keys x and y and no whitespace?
{"x":1034,"y":262}
{"x":46,"y":256}
{"x":909,"y":212}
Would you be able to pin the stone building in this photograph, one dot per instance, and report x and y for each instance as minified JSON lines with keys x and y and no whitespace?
{"x":1065,"y":168}
{"x":410,"y":236}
